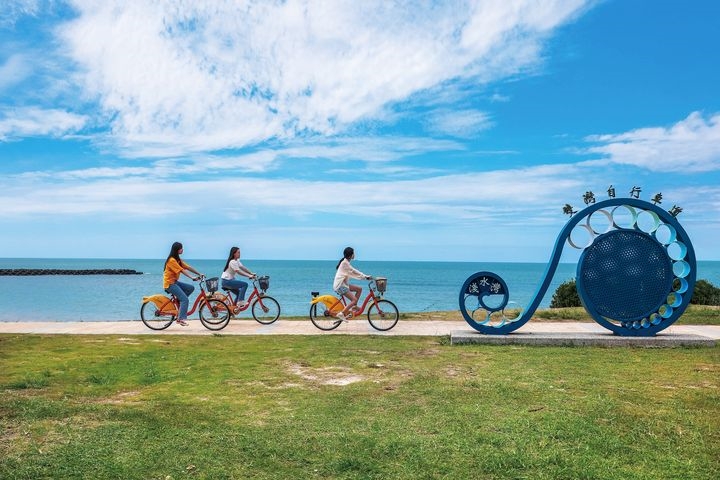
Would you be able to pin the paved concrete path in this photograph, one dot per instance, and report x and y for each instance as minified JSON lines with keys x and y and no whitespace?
{"x":354,"y":327}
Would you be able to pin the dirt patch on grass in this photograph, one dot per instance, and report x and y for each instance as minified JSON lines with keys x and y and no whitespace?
{"x":14,"y":439}
{"x":42,"y":435}
{"x":452,"y":372}
{"x":269,"y":386}
{"x":707,"y":367}
{"x":122,"y":398}
{"x":339,"y":376}
{"x":429,"y":352}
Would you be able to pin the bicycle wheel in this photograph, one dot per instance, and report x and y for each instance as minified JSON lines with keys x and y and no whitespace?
{"x":383,"y":315}
{"x":214,"y":314}
{"x":321,"y":317}
{"x":153,"y":318}
{"x":265,"y":310}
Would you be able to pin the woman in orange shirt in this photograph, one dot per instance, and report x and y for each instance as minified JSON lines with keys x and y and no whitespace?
{"x":174,"y":266}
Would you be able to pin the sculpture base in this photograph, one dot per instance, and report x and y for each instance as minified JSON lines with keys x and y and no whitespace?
{"x":579,"y":339}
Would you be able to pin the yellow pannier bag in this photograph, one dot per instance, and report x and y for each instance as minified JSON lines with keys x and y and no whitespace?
{"x":162,"y":302}
{"x":219,"y":296}
{"x":330,"y":301}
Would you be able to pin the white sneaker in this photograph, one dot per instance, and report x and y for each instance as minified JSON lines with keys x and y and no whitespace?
{"x":341,"y":317}
{"x":242,"y":304}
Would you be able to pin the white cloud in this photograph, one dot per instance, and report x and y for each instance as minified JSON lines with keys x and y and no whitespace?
{"x":13,"y":71}
{"x":441,"y":199}
{"x":499,"y":98}
{"x":162,"y":198}
{"x":690,"y":146}
{"x":369,"y":150}
{"x":33,"y":121}
{"x":459,"y":123}
{"x":12,"y":10}
{"x":199,"y":76}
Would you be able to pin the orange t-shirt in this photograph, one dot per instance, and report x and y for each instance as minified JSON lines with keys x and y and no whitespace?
{"x":172,"y":272}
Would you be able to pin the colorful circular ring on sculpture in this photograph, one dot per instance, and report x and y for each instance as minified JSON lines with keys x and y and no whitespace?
{"x":591,"y":237}
{"x":681,"y":269}
{"x":665,"y":234}
{"x":647,"y":221}
{"x":512,"y":306}
{"x":591,"y":226}
{"x":618,"y":220}
{"x":676,"y":250}
{"x":484,"y":316}
{"x":680,"y":285}
{"x":674,"y":299}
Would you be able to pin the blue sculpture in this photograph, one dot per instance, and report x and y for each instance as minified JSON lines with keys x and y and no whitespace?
{"x":635,"y":277}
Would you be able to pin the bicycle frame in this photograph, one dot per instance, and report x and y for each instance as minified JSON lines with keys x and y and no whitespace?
{"x":332,"y":305}
{"x":201,"y":297}
{"x":358,"y":310}
{"x":254,"y":294}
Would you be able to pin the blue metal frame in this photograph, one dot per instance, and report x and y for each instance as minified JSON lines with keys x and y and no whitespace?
{"x":471,"y":288}
{"x":651,"y":326}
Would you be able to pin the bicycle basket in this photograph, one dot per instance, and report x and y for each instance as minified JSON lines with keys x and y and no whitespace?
{"x":381,"y":284}
{"x":264,"y":282}
{"x":211,"y":284}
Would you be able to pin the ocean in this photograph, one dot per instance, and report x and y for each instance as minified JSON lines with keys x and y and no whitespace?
{"x":412,"y":286}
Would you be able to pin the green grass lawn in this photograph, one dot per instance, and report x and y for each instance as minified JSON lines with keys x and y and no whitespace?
{"x":162,"y":406}
{"x":694,"y":315}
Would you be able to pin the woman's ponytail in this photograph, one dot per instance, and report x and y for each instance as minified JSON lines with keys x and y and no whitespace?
{"x":347,"y":255}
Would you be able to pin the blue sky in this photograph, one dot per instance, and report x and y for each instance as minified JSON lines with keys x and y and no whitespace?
{"x":410,"y":130}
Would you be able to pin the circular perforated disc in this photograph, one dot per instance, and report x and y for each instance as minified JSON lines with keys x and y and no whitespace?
{"x":624,"y":275}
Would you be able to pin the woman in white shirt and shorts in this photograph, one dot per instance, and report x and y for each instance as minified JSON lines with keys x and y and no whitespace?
{"x":233,"y":267}
{"x":342,"y":286}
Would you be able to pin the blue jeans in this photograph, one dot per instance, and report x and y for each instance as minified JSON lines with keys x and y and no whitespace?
{"x":237,"y":286}
{"x":181,"y":292}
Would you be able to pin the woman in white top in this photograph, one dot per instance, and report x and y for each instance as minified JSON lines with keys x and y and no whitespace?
{"x":341,"y":285}
{"x":233,"y":267}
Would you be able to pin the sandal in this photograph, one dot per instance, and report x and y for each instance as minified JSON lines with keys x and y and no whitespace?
{"x":182,"y":322}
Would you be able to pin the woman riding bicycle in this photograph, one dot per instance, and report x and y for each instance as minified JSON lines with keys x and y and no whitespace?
{"x":174,"y":266}
{"x":341,"y":284}
{"x":233,"y":266}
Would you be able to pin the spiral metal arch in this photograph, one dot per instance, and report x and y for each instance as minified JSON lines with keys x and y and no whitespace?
{"x":627,"y":280}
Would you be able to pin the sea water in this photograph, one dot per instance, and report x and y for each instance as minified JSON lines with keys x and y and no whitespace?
{"x":412,"y":286}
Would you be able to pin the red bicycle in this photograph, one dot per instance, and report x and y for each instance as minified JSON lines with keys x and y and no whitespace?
{"x":264,"y":308}
{"x":382,"y":314}
{"x":159,"y":311}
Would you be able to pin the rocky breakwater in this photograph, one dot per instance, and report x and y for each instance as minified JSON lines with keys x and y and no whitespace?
{"x":56,"y":271}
